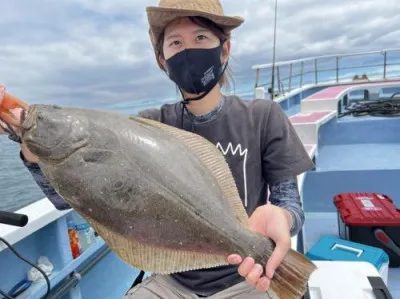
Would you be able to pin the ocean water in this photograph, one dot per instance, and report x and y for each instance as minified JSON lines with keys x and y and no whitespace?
{"x":18,"y":189}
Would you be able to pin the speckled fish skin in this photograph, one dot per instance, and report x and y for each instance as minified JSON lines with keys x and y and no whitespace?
{"x":120,"y":180}
{"x":160,"y":205}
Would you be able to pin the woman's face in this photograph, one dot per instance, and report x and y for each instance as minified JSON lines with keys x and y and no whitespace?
{"x":183,"y":34}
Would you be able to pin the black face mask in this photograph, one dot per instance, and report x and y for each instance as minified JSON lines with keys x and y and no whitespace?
{"x":196,"y":70}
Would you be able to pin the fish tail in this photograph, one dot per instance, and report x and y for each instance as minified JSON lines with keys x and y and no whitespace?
{"x":291,"y":277}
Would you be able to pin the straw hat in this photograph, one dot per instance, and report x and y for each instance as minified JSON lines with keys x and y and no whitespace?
{"x":168,"y":10}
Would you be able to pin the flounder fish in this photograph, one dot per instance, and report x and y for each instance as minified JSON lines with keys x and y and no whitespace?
{"x":163,"y":199}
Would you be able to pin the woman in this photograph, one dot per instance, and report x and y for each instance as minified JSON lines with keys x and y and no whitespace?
{"x":191,"y":40}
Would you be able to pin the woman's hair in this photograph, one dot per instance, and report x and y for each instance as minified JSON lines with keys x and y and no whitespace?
{"x":218,"y":31}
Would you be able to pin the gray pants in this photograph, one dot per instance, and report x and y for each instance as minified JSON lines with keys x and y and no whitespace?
{"x":165,"y":287}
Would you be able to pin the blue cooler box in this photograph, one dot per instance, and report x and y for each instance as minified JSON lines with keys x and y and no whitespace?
{"x":329,"y":248}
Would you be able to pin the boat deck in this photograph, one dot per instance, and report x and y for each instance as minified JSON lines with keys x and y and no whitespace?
{"x":329,"y":93}
{"x":310,"y":118}
{"x":327,"y":99}
{"x":365,"y":156}
{"x":307,"y":124}
{"x":351,"y":155}
{"x":47,"y":235}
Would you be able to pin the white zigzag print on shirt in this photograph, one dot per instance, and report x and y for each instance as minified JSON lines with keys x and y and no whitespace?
{"x":243,"y":153}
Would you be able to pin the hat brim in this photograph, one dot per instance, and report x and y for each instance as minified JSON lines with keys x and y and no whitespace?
{"x":159,"y":17}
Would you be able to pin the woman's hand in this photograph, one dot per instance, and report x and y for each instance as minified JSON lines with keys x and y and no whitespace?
{"x":273,"y":222}
{"x":16,"y":113}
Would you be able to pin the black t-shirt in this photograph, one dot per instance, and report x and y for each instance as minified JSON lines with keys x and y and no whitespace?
{"x":261,"y":148}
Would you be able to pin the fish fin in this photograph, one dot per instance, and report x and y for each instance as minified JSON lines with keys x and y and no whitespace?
{"x":291,"y":277}
{"x":95,"y":155}
{"x":213,"y":159}
{"x":154,"y":259}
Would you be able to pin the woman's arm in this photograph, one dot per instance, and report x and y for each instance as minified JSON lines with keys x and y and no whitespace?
{"x":285,"y":194}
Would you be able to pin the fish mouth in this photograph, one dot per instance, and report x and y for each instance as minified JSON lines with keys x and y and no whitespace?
{"x":48,"y":145}
{"x":29,"y":122}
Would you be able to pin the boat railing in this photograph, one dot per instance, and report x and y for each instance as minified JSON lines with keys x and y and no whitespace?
{"x":334,"y":69}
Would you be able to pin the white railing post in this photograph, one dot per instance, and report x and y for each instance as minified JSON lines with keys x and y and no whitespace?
{"x":260,"y":93}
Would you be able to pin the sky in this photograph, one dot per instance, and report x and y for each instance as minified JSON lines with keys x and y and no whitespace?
{"x":96,"y":53}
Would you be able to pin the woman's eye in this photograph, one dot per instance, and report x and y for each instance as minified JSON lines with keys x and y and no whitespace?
{"x":175,"y":43}
{"x":201,"y":37}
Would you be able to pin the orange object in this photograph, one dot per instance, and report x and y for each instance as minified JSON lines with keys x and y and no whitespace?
{"x":7,"y":103}
{"x":74,"y":242}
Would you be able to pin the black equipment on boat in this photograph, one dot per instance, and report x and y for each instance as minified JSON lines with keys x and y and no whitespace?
{"x":14,"y":219}
{"x":382,"y":108}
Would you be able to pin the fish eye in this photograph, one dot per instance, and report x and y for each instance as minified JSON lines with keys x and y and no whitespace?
{"x":118,"y":184}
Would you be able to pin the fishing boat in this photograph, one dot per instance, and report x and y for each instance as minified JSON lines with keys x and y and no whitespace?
{"x":347,"y":123}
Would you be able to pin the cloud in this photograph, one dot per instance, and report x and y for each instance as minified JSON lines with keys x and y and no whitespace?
{"x":97,"y":53}
{"x":311,"y":27}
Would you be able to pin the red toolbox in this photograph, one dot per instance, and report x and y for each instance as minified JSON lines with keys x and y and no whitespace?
{"x":371,"y":219}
